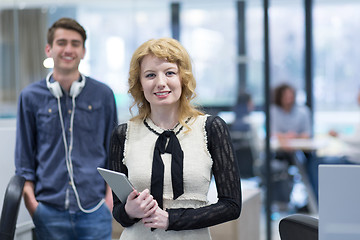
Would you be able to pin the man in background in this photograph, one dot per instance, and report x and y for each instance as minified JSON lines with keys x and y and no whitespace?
{"x":64,"y":123}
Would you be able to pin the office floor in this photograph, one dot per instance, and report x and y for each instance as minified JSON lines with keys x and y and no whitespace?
{"x":274,"y":228}
{"x":298,"y":199}
{"x":275,"y":222}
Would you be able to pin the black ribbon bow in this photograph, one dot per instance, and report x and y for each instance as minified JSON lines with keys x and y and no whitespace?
{"x":177,"y":157}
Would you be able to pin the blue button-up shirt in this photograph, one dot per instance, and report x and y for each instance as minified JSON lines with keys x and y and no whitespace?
{"x":40,"y":151}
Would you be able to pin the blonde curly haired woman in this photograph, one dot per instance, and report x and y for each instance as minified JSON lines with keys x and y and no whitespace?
{"x":170,"y":150}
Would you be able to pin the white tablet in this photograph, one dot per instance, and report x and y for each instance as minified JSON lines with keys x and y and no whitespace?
{"x":118,"y":182}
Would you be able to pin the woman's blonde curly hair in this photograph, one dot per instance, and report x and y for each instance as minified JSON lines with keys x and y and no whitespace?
{"x":171,"y":50}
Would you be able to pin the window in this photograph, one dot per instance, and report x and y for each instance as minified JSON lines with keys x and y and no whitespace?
{"x":287,"y":39}
{"x":208,"y":32}
{"x":114,"y":33}
{"x":337,"y":53}
{"x":336,"y":75}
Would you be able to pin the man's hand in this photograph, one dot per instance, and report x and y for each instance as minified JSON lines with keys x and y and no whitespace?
{"x":29,"y":197}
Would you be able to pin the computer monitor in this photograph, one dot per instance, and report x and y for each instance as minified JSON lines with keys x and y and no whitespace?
{"x":339,"y":202}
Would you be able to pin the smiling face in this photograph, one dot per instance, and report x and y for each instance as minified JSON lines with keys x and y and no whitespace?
{"x":160,"y":81}
{"x":67,"y":50}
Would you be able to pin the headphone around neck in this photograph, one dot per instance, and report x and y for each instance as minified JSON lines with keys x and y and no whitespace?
{"x":56,"y":90}
{"x":75,"y":90}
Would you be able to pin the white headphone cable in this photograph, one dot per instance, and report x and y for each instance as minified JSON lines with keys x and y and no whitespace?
{"x":68,"y":160}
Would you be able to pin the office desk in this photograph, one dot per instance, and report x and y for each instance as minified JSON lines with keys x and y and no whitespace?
{"x":297,"y":148}
{"x":296,"y":144}
{"x":247,"y":227}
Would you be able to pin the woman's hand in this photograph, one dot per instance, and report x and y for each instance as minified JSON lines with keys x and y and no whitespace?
{"x":140,"y":205}
{"x":160,"y":219}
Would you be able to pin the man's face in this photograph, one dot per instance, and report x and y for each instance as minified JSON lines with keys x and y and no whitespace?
{"x":67,"y":50}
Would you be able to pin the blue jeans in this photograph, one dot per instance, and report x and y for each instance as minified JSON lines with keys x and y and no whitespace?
{"x":52,"y":224}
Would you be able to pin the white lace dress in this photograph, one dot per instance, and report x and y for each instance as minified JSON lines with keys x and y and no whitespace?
{"x":133,"y":155}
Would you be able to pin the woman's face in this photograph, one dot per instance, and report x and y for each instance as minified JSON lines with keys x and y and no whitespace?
{"x":160,"y":81}
{"x":288,"y":98}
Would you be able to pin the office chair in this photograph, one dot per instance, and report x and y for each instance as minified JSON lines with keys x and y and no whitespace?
{"x":299,"y":227}
{"x":244,"y":151}
{"x":10,"y":209}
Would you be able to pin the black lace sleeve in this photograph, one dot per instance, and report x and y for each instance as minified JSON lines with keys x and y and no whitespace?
{"x":227,"y":181}
{"x":116,"y":156}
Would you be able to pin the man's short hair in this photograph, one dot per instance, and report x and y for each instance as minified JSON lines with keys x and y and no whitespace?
{"x":66,"y":23}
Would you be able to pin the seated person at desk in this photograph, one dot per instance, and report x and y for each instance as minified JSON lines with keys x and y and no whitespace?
{"x":350,"y":153}
{"x":288,"y":121}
